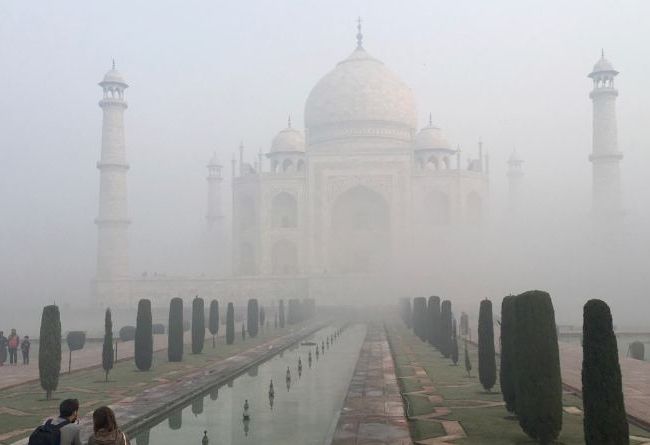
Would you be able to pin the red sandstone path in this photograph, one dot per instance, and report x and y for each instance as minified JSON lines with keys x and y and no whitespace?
{"x":636,"y":380}
{"x":88,"y":357}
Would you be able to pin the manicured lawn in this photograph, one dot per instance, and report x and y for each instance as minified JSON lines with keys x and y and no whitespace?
{"x":463,"y":395}
{"x":23,"y":407}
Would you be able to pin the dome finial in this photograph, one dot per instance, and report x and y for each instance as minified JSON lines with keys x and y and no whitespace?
{"x":430,"y":120}
{"x":359,"y":35}
{"x":602,"y":52}
{"x":113,"y":63}
{"x":289,"y":122}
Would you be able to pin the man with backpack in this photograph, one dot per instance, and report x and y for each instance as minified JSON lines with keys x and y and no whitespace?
{"x":63,"y":430}
{"x":24,"y":347}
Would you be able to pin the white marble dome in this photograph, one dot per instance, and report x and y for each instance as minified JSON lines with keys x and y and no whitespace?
{"x":288,"y":140}
{"x":360,"y":97}
{"x":431,"y":138}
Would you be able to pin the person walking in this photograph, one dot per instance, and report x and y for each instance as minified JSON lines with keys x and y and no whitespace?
{"x":64,"y":430}
{"x":105,"y":429}
{"x":3,"y":348}
{"x":12,"y":342}
{"x":24,"y":347}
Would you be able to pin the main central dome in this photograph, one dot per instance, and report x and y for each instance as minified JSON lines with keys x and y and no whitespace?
{"x":360,"y":98}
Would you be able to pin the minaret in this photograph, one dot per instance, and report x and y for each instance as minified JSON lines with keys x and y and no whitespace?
{"x":515,"y":179}
{"x":605,"y":157}
{"x":214,"y":178}
{"x":112,"y":221}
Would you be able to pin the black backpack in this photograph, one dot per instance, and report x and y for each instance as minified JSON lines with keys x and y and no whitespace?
{"x":47,"y":434}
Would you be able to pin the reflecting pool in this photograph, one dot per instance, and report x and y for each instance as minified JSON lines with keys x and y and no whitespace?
{"x":303,"y":410}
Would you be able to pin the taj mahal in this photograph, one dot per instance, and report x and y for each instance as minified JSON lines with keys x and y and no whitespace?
{"x":336,"y":209}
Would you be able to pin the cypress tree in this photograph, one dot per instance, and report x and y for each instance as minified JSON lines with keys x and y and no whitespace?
{"x":405,"y":311}
{"x":230,"y":324}
{"x":49,"y":350}
{"x":198,"y":325}
{"x":468,"y":363}
{"x":262,"y":317}
{"x":175,"y":331}
{"x":213,"y":321}
{"x":538,"y":384}
{"x":281,"y":313}
{"x":507,"y":368}
{"x":487,"y":367}
{"x":143,"y":336}
{"x":445,"y":328}
{"x":604,"y":420}
{"x":243,"y":330}
{"x":464,"y":324}
{"x":107,"y":347}
{"x":420,"y":317}
{"x":433,"y":321}
{"x":253,"y":317}
{"x":454,"y":344}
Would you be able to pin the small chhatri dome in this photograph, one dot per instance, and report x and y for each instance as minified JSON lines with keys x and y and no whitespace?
{"x":515,"y":158}
{"x":360,"y":97}
{"x":603,"y":66}
{"x":431,"y":138}
{"x":214,"y":160}
{"x":113,"y":76}
{"x":287,"y":140}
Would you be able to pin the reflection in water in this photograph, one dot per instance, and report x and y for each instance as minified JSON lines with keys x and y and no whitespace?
{"x":197,"y":406}
{"x":252,"y":371}
{"x":309,"y":359}
{"x":142,"y":438}
{"x":306,"y":414}
{"x":176,"y":420}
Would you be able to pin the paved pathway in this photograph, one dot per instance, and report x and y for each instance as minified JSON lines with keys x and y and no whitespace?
{"x":636,"y":381}
{"x":373,"y":412}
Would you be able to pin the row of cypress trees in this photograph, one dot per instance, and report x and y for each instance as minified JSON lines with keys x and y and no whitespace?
{"x":432,"y":321}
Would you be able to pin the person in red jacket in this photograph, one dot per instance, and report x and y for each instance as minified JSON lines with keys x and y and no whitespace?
{"x":12,"y":343}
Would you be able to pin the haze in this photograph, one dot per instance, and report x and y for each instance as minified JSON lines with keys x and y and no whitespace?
{"x":204,"y":76}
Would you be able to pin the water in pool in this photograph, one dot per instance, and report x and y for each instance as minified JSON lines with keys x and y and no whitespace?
{"x":304,"y":409}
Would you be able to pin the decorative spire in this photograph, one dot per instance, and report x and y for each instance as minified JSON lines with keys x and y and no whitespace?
{"x":430,"y":120}
{"x":113,"y":63}
{"x":359,"y":34}
{"x":289,"y":122}
{"x":602,"y":53}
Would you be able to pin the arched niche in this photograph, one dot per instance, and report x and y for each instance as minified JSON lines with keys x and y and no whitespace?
{"x":284,"y":211}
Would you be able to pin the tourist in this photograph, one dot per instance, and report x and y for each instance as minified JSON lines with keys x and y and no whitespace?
{"x":66,"y":426}
{"x":12,"y":342}
{"x":105,"y":430}
{"x":24,"y":347}
{"x":3,"y":348}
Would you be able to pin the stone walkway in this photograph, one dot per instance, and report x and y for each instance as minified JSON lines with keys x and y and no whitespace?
{"x":373,"y":412}
{"x":636,"y":381}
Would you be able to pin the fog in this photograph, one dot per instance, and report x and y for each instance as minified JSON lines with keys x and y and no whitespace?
{"x":204,"y":76}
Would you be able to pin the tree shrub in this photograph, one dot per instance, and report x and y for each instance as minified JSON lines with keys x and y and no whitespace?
{"x":636,"y":350}
{"x":158,"y":328}
{"x":602,"y":393}
{"x":454,"y":344}
{"x":281,"y":313}
{"x":49,"y":350}
{"x":433,"y":320}
{"x":253,"y":317}
{"x":538,"y":384}
{"x":175,"y":331}
{"x":76,"y":341}
{"x":468,"y":363}
{"x":405,"y":311}
{"x":507,"y":368}
{"x":230,"y":324}
{"x":107,"y":346}
{"x":262,"y":317}
{"x":445,"y":328}
{"x":464,"y":324}
{"x":487,"y":367}
{"x":420,"y":317}
{"x":143,"y":336}
{"x":198,"y":325}
{"x":213,"y":321}
{"x":127,"y":333}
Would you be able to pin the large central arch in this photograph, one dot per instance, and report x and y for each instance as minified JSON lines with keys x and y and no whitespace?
{"x":360,"y":232}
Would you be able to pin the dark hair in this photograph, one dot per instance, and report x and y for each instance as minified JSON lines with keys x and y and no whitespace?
{"x":104,"y":419}
{"x":68,"y":407}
